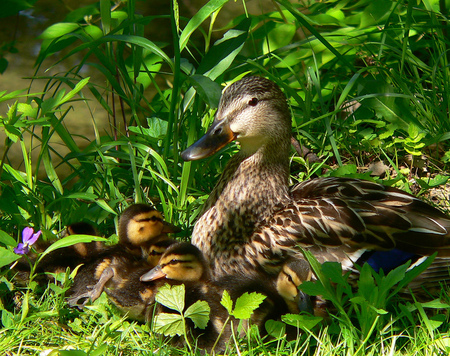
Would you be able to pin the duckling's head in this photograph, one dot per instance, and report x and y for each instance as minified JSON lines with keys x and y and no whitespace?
{"x":80,"y":228}
{"x":139,"y":224}
{"x":253,"y":111}
{"x":156,"y":250}
{"x":182,"y":261}
{"x":294,"y":272}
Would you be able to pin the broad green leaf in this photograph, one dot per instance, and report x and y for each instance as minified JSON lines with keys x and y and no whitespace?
{"x":157,"y":127}
{"x":58,"y":30}
{"x":8,"y":319}
{"x":333,"y":270}
{"x":101,"y":350}
{"x":171,"y":296}
{"x":7,"y":257}
{"x":305,"y":322}
{"x":208,"y":90}
{"x":169,"y":324}
{"x":314,"y":288}
{"x":227,"y":302}
{"x":246,"y":304}
{"x":198,"y":313}
{"x":6,"y":239}
{"x":275,"y":328}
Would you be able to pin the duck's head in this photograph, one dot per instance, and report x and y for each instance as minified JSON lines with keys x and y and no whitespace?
{"x":294,"y":272}
{"x":253,"y":111}
{"x":182,"y":261}
{"x":80,"y":228}
{"x":156,"y":250}
{"x":140,"y":224}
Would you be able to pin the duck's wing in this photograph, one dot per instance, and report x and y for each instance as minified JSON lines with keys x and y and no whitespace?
{"x":360,"y":214}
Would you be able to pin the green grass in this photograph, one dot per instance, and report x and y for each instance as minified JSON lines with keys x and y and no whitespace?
{"x":365,"y":80}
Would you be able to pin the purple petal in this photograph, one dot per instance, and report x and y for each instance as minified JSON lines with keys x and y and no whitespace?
{"x":34,"y":238}
{"x":21,"y":249}
{"x":26,"y":234}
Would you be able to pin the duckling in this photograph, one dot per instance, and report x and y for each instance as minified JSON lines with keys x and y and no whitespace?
{"x":253,"y":221}
{"x":293,"y":273}
{"x":142,"y":238}
{"x":183,"y":262}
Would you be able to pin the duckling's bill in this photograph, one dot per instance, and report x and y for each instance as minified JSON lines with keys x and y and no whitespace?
{"x":217,"y":137}
{"x":155,"y":273}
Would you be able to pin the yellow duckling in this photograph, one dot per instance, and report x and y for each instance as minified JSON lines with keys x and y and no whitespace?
{"x":184,"y":263}
{"x":142,"y":238}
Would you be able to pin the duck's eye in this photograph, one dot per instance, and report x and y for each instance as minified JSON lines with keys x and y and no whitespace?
{"x":253,"y":102}
{"x":290,"y":278}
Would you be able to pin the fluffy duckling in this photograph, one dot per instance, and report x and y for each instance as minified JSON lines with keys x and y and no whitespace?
{"x":142,"y":239}
{"x":183,"y":262}
{"x":293,"y":273}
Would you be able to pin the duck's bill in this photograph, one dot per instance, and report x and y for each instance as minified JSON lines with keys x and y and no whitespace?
{"x":170,"y":228}
{"x":304,"y":302}
{"x":217,"y":137}
{"x":153,"y":274}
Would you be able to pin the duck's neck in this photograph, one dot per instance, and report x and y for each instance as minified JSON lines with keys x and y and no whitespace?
{"x":247,"y":193}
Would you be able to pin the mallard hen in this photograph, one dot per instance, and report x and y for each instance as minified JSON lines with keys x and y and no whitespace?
{"x":252,"y":220}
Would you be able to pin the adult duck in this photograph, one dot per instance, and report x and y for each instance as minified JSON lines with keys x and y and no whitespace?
{"x":252,"y":220}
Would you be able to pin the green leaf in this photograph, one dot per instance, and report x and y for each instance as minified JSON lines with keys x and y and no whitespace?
{"x":275,"y":328}
{"x":169,"y":324}
{"x":157,"y":127}
{"x":6,"y":239}
{"x":68,"y":353}
{"x":198,"y":313}
{"x":314,"y":288}
{"x":12,"y":7}
{"x":8,"y":319}
{"x":333,"y":270}
{"x":224,"y":51}
{"x":69,"y":241}
{"x":305,"y":322}
{"x":208,"y":90}
{"x":7,"y":257}
{"x":172,"y":297}
{"x":206,"y":11}
{"x":58,"y":30}
{"x":227,"y":302}
{"x":246,"y":304}
{"x":51,"y":172}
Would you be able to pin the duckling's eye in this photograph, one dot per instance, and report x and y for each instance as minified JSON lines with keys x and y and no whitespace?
{"x":173,"y":262}
{"x":290,"y":278}
{"x":253,"y":102}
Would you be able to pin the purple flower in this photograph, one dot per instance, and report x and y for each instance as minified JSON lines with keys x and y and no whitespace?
{"x":28,"y":239}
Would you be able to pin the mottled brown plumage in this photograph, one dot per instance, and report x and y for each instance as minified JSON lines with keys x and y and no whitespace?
{"x":117,"y":269}
{"x":252,"y":221}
